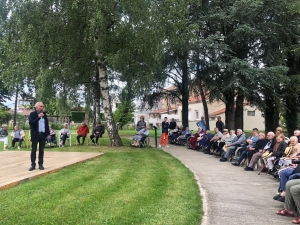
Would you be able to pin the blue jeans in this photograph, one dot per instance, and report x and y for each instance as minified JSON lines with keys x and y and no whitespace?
{"x":284,"y":177}
{"x":242,"y":156}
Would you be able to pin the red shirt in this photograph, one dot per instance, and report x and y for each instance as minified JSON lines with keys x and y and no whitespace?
{"x":83,"y":131}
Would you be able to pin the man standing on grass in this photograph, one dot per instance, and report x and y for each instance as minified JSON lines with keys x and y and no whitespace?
{"x":39,"y":131}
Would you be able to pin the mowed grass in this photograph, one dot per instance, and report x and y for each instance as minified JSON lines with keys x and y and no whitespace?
{"x":124,"y":186}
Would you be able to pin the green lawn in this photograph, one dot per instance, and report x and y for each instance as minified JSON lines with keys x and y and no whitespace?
{"x":124,"y":186}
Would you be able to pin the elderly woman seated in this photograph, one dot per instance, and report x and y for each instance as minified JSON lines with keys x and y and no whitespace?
{"x":290,"y":152}
{"x":292,"y":200}
{"x":277,"y":152}
{"x":194,"y":139}
{"x":183,"y":136}
{"x":144,"y":132}
{"x":218,"y":145}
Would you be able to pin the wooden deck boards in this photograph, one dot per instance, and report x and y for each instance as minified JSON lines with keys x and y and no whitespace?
{"x":14,"y":165}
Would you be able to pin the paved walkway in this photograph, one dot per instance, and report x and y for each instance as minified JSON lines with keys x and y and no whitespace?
{"x":230,"y":194}
{"x":14,"y":165}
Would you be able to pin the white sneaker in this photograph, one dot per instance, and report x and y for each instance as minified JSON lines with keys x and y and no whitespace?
{"x":167,"y":146}
{"x":159,"y":146}
{"x":18,"y":147}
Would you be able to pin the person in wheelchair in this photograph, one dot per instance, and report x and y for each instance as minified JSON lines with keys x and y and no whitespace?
{"x":176,"y":134}
{"x":277,"y":153}
{"x":218,"y":145}
{"x":184,"y":135}
{"x":239,"y":140}
{"x":194,"y":138}
{"x":202,"y":142}
{"x":290,"y":153}
{"x":140,"y":136}
{"x":219,"y":151}
{"x":215,"y":138}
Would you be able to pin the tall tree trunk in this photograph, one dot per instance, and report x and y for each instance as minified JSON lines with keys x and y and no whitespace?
{"x":185,"y":93}
{"x":269,"y":115}
{"x":97,"y":95}
{"x":230,"y":111}
{"x":239,"y":112}
{"x":88,"y":105}
{"x":276,"y":117}
{"x":202,"y":94}
{"x":16,"y":105}
{"x":111,"y":127}
{"x":291,"y":115}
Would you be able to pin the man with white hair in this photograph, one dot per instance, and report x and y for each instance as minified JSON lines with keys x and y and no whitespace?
{"x":295,"y":151}
{"x":270,"y":144}
{"x":239,"y":140}
{"x":39,"y":130}
{"x":297,"y":134}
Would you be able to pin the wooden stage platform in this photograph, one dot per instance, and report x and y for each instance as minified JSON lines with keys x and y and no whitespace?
{"x":14,"y":165}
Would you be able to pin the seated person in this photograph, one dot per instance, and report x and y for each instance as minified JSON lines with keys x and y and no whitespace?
{"x":297,"y":134}
{"x":17,"y":135}
{"x":82,"y":131}
{"x":176,"y":134}
{"x":278,"y":131}
{"x":173,"y":131}
{"x":215,"y":138}
{"x":140,"y":134}
{"x":51,"y":139}
{"x":193,"y":139}
{"x":285,"y":175}
{"x":249,"y":147}
{"x":141,"y":123}
{"x":271,"y":140}
{"x":3,"y":135}
{"x":294,"y":151}
{"x":64,"y":133}
{"x":220,"y":143}
{"x":205,"y":139}
{"x":291,"y":203}
{"x":277,"y":152}
{"x":232,"y":135}
{"x":184,"y":135}
{"x":97,"y":132}
{"x":240,"y":139}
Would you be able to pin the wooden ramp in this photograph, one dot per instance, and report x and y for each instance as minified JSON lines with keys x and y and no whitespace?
{"x":14,"y":165}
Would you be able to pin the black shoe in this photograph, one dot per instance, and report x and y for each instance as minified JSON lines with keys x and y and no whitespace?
{"x":281,"y":199}
{"x":32,"y":168}
{"x":276,"y":197}
{"x":223,"y":160}
{"x":235,"y":164}
{"x":41,"y":167}
{"x":249,"y":169}
{"x":206,"y":152}
{"x":211,"y":153}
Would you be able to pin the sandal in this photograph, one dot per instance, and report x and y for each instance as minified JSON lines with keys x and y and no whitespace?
{"x":296,"y":221}
{"x":284,"y":212}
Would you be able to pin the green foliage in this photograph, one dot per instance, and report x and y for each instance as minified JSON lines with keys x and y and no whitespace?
{"x":77,"y":117}
{"x":124,"y":113}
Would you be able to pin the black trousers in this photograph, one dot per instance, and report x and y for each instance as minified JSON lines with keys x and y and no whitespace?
{"x":63,"y":138}
{"x":250,"y":154}
{"x":95,"y":136}
{"x":17,"y":140}
{"x":78,"y":139}
{"x":35,"y":140}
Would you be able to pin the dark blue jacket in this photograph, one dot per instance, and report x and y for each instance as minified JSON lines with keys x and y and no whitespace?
{"x":34,"y":124}
{"x":164,"y":127}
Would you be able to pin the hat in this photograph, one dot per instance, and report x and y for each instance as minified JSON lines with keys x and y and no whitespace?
{"x":225,"y":130}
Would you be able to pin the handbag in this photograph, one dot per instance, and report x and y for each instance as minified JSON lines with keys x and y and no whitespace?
{"x":288,"y":150}
{"x":266,"y":155}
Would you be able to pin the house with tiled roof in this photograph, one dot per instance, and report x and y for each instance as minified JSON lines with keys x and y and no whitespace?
{"x":253,"y":117}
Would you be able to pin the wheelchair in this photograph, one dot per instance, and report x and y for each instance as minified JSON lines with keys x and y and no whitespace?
{"x":143,"y":143}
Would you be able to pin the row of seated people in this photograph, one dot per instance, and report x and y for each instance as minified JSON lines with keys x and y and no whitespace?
{"x":179,"y":135}
{"x":276,"y":149}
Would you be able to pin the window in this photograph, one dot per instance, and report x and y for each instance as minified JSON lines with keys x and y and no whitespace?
{"x":250,"y":113}
{"x":196,"y":114}
{"x":212,"y":118}
{"x":189,"y":114}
